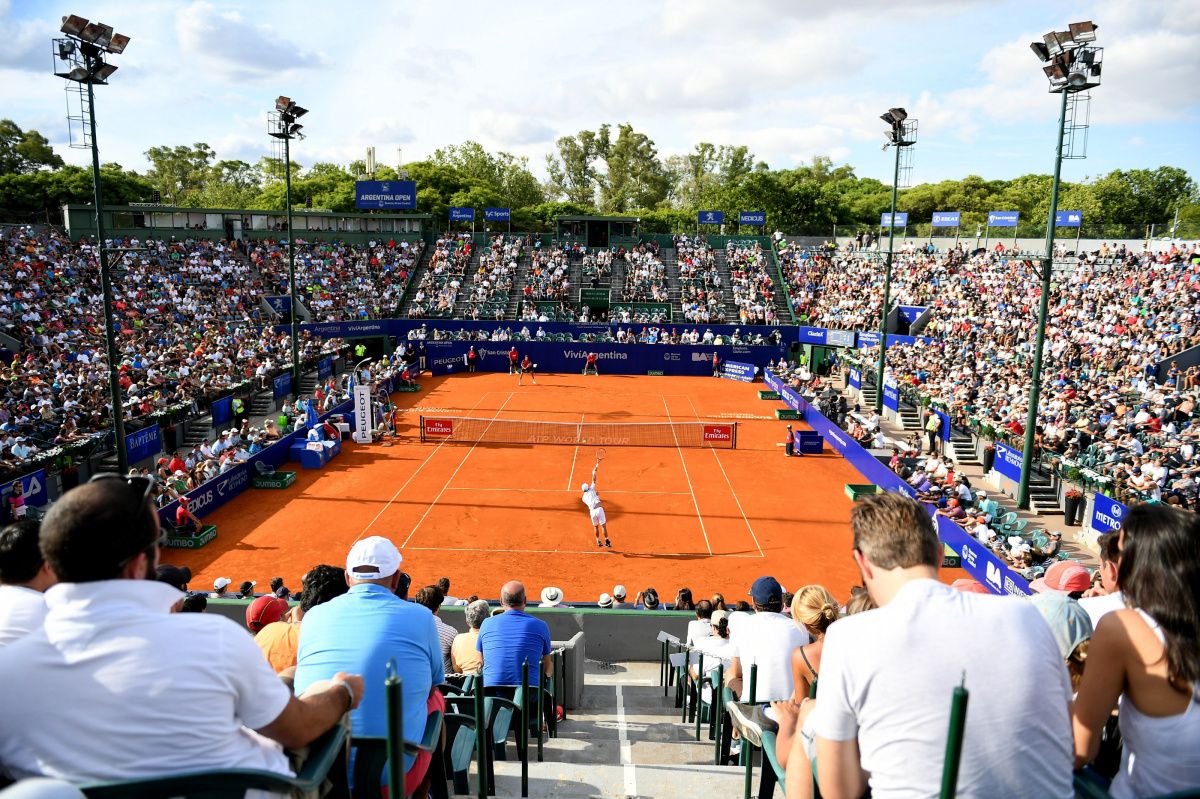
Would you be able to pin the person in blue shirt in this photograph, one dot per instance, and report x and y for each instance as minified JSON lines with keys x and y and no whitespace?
{"x":511,"y":638}
{"x":368,"y":626}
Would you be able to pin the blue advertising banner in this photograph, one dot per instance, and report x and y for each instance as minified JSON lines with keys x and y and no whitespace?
{"x":33,"y":487}
{"x":1107,"y":514}
{"x":891,"y":397}
{"x":911,"y":313}
{"x":812,"y":335}
{"x":736,"y":370}
{"x":280,"y":303}
{"x":222,"y":410}
{"x":396,"y":195}
{"x":946,"y":218}
{"x":141,"y":444}
{"x":978,"y":560}
{"x":710,"y":218}
{"x":462,"y":214}
{"x":1003,"y":218}
{"x":497,"y":214}
{"x":1008,"y":462}
{"x":325,"y":368}
{"x":872,"y":340}
{"x":447,"y":357}
{"x":283,"y":385}
{"x":1068,"y":218}
{"x":854,"y":378}
{"x":901,"y":219}
{"x":752,"y":218}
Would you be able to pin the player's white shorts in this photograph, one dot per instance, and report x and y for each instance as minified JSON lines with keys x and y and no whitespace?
{"x":598,"y":516}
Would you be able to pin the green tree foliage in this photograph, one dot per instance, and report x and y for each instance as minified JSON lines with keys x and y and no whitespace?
{"x":24,"y":151}
{"x":39,"y":196}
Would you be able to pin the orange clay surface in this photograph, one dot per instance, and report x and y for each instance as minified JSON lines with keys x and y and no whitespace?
{"x":712,"y":520}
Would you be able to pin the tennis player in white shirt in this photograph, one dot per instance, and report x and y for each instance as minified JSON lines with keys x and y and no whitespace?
{"x":595,"y":509}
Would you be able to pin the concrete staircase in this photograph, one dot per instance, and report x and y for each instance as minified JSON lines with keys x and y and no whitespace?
{"x":963,"y":447}
{"x":419,"y":272}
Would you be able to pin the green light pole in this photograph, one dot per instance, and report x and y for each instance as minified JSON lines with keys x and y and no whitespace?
{"x":80,"y":58}
{"x":282,"y":125}
{"x":1072,"y":65}
{"x":899,"y":137}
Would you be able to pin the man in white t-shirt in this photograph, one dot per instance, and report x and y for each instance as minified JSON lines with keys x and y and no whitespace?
{"x":888,"y":676}
{"x":111,"y":646}
{"x":595,"y":509}
{"x":1105,"y":597}
{"x":24,"y":576}
{"x":701,"y":626}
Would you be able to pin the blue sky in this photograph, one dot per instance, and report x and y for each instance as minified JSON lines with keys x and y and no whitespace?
{"x":789,"y":79}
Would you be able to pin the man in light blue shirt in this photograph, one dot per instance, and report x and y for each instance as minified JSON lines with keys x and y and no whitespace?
{"x":511,"y":638}
{"x":368,"y":626}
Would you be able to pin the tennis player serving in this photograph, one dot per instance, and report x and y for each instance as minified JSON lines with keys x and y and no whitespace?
{"x":595,"y":509}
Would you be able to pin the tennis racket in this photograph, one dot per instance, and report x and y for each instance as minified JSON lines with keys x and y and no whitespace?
{"x":600,"y":453}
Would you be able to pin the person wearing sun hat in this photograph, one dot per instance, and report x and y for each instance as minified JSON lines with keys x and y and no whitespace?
{"x":1064,"y":577}
{"x":551,"y":597}
{"x":1071,"y":627}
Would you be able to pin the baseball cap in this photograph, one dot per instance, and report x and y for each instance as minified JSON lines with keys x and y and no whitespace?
{"x":766,"y":590}
{"x":176,"y":576}
{"x":373,"y":558}
{"x":1068,"y":621}
{"x":221,"y":583}
{"x":263,"y":611}
{"x":969,"y":586}
{"x":619,"y":592}
{"x":718,"y":616}
{"x":1063,"y":577}
{"x":247,"y":586}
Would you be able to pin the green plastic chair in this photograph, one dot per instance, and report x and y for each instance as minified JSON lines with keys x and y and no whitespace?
{"x":233,"y":783}
{"x":768,"y":747}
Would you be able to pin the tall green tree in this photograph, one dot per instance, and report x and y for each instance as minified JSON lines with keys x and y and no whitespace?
{"x":24,"y":151}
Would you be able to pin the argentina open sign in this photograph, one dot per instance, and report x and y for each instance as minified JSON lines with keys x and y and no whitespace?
{"x":400,"y":195}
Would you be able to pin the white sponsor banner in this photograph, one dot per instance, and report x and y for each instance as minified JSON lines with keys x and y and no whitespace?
{"x":362,"y":414}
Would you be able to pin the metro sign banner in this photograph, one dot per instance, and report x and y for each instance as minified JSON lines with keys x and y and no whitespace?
{"x":439,"y":427}
{"x":718,"y":432}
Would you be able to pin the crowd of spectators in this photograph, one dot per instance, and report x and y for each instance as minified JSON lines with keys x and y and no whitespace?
{"x":439,"y":287}
{"x":493,"y":280}
{"x":546,"y":295}
{"x":752,"y":284}
{"x":647,"y":334}
{"x":339,"y":280}
{"x":189,"y":323}
{"x":700,"y":291}
{"x":645,"y":275}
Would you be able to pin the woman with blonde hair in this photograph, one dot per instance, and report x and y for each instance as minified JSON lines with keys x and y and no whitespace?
{"x":718,"y":602}
{"x":813,"y":610}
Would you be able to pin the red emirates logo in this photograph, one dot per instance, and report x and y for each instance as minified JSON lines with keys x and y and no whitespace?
{"x":438,"y":427}
{"x":718,"y":432}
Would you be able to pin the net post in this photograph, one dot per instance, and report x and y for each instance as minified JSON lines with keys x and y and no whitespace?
{"x":733,"y":443}
{"x":421,"y":427}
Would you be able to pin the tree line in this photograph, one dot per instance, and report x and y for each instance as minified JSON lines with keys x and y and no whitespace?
{"x":611,"y":170}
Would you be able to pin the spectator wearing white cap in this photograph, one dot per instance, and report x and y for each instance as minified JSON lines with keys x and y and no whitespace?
{"x":219,"y":589}
{"x":365,"y":628}
{"x":618,"y":596}
{"x":552,"y":597}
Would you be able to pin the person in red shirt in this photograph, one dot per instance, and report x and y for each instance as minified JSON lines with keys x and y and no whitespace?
{"x":527,"y":368}
{"x":176,"y":464}
{"x":186,"y":522}
{"x":590,"y":365}
{"x":513,"y":357}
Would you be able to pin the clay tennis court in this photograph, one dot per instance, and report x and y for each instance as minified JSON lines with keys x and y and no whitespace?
{"x":710,"y":519}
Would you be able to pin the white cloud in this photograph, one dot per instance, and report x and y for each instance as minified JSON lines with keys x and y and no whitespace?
{"x":237,"y":48}
{"x":509,"y":129}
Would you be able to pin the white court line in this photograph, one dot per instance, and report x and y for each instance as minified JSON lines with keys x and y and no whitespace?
{"x":597,"y":552}
{"x":433,"y":452}
{"x":626,"y":748}
{"x":703,"y":531}
{"x":566,"y":491}
{"x":571,"y":474}
{"x":454,"y":474}
{"x":732,"y":493}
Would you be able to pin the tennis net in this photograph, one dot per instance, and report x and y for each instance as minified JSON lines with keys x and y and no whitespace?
{"x":463,"y":429}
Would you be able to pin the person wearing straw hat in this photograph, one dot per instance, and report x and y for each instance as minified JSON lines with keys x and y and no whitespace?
{"x":551,"y":597}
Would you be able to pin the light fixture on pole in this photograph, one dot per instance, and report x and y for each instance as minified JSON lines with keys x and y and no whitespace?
{"x":281,"y":124}
{"x":1072,"y":65}
{"x":901,"y":134}
{"x":79,"y":57}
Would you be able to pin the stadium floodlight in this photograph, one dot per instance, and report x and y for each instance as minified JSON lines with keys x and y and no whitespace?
{"x":894,"y":116}
{"x":1072,"y":63}
{"x":97,"y":33}
{"x":281,"y":124}
{"x":73,"y":25}
{"x":80,"y":58}
{"x":118,"y":44}
{"x":1083,"y":32}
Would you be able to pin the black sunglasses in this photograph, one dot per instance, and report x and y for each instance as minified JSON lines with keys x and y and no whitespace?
{"x":144,"y":486}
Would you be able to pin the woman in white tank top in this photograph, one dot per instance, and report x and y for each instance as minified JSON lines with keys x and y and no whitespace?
{"x":1148,"y":657}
